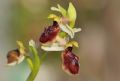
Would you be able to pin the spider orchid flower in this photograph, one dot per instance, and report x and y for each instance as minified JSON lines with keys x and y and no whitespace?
{"x":55,"y":37}
{"x":16,"y":56}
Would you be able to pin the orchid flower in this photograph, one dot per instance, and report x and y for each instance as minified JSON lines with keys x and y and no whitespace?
{"x":16,"y":56}
{"x":64,"y":26}
{"x":57,"y":37}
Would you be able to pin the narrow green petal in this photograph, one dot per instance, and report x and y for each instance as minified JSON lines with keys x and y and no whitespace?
{"x":62,"y":10}
{"x":55,"y":9}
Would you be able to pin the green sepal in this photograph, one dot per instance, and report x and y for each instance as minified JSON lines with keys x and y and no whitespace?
{"x":62,"y":10}
{"x":71,"y":14}
{"x":30,"y":62}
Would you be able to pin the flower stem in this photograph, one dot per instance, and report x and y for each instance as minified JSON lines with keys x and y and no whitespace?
{"x":32,"y":75}
{"x":36,"y":64}
{"x":29,"y":61}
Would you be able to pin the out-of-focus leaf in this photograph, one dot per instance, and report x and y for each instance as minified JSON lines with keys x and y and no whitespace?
{"x":72,"y":14}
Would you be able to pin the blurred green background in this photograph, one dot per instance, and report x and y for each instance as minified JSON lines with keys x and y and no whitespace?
{"x":99,"y":40}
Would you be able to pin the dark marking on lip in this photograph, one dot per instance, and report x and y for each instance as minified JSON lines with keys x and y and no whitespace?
{"x":70,"y":61}
{"x":49,"y":33}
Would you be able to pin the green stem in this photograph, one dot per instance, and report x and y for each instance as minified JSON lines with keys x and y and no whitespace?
{"x":36,"y":63}
{"x":30,"y":63}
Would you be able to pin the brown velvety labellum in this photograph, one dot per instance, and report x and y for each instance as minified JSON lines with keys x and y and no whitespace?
{"x":49,"y":33}
{"x":13,"y":56}
{"x":70,"y":61}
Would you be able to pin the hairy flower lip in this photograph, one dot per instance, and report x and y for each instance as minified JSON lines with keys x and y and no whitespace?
{"x":14,"y":57}
{"x":70,"y":62}
{"x":50,"y":33}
